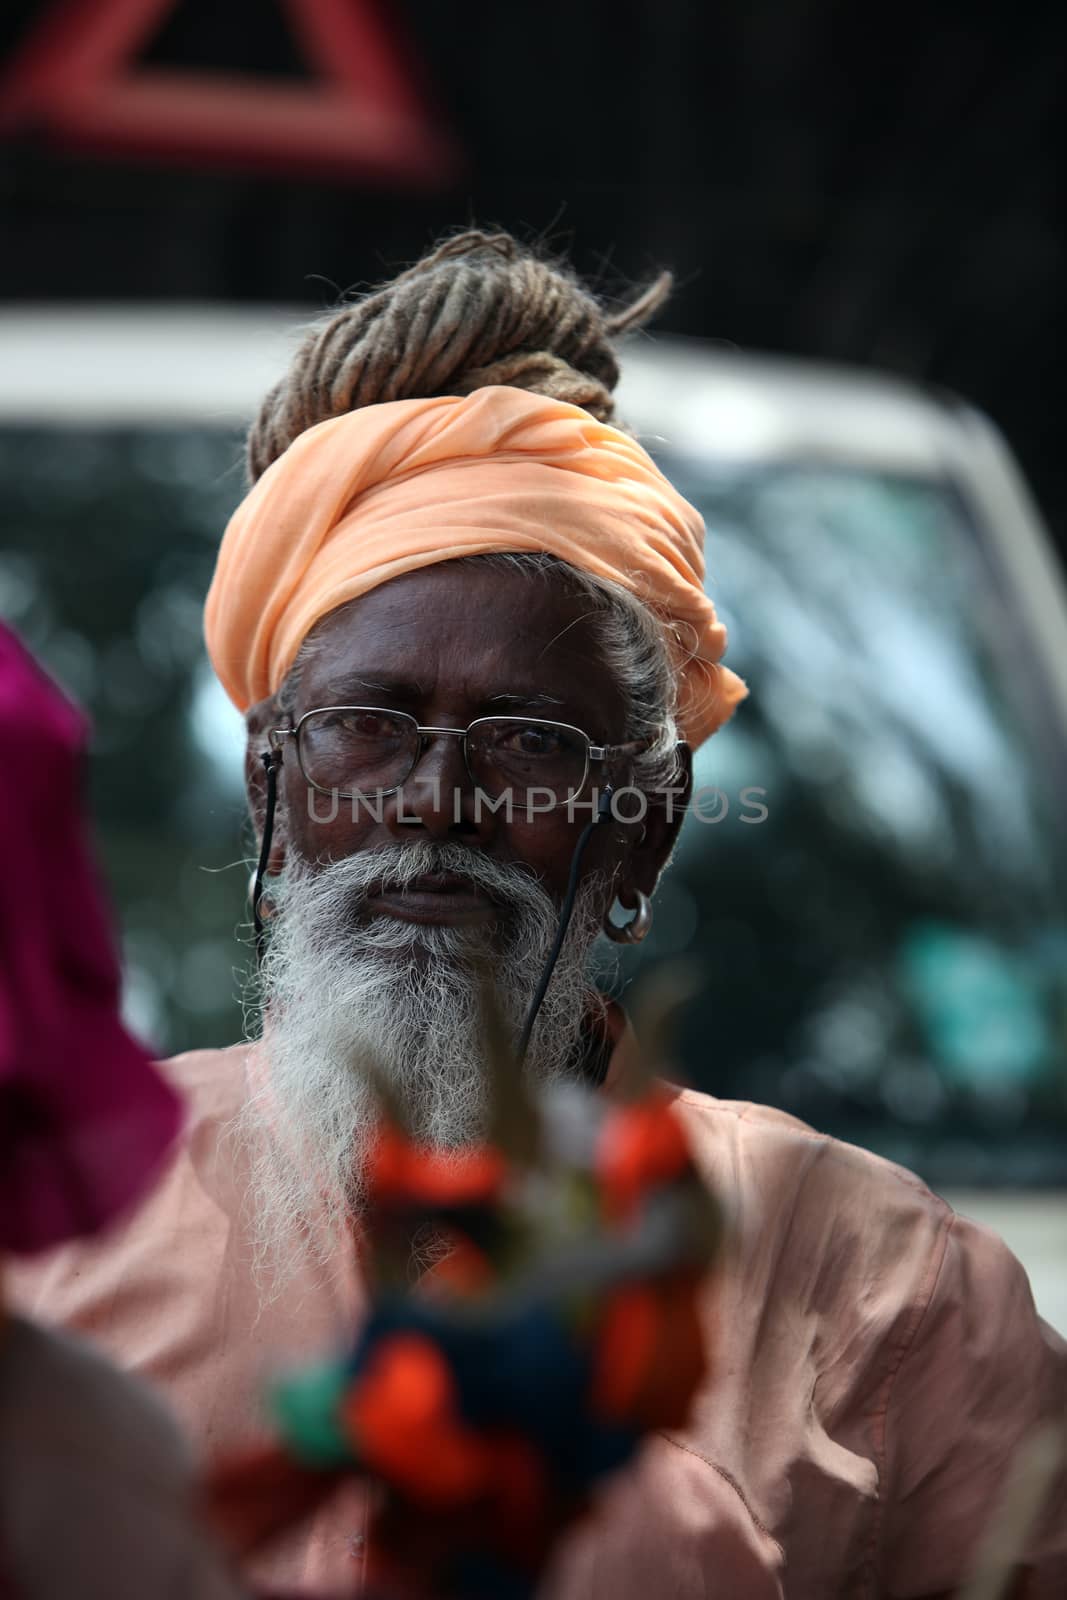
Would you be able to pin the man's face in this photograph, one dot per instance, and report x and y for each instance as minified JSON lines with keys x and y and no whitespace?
{"x":377,"y":915}
{"x":449,"y":644}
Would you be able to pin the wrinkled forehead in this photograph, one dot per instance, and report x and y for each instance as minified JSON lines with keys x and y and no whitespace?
{"x":460,"y":638}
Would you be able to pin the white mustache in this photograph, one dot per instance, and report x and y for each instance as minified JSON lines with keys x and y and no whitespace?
{"x":397,"y":866}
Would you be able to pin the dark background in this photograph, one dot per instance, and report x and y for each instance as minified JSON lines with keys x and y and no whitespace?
{"x":874,"y":185}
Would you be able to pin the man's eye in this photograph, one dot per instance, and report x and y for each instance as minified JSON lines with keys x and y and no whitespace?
{"x":365,"y":725}
{"x":533,"y":741}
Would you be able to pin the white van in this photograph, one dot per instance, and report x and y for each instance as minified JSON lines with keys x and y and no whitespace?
{"x":874,"y":880}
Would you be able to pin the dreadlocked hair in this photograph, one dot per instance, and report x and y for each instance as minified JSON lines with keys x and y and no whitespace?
{"x":483,"y":309}
{"x":480,"y":309}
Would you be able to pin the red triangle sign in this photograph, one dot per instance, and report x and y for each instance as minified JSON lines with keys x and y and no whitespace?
{"x":76,"y":78}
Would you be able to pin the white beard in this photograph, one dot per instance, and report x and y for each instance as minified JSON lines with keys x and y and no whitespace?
{"x":340,"y":989}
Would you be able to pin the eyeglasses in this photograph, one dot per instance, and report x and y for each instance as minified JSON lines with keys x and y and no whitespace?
{"x":356,"y":752}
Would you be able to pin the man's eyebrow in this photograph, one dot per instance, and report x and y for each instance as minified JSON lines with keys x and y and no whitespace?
{"x":536,"y":698}
{"x":347,"y":690}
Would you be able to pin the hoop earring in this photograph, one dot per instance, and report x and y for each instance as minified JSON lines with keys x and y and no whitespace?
{"x":637,"y":928}
{"x":266,"y":905}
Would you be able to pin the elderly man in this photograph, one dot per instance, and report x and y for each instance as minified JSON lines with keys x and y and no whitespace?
{"x":463,"y":613}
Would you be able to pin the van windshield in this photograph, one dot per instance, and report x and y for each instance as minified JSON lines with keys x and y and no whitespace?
{"x":873,"y":884}
{"x":874,"y":878}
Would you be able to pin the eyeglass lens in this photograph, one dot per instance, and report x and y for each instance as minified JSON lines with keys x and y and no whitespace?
{"x":355,"y":749}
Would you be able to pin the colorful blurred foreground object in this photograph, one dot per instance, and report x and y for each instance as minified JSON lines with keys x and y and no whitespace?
{"x":84,"y":1118}
{"x":558,"y":1326}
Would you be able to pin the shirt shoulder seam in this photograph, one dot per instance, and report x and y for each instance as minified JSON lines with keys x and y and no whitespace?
{"x":740,"y":1111}
{"x":909,"y":1334}
{"x":728,"y":1478}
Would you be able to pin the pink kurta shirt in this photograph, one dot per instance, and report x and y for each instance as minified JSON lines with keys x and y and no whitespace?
{"x":878,"y":1360}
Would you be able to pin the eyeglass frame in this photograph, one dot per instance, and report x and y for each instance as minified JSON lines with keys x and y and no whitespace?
{"x":593,"y":752}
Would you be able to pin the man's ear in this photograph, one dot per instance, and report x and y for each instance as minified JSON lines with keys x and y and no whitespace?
{"x":662,"y":821}
{"x":259,"y":720}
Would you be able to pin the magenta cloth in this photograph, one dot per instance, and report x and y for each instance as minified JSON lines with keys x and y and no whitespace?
{"x":85,"y":1119}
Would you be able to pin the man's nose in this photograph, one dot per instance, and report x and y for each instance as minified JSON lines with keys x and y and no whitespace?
{"x":438,"y":794}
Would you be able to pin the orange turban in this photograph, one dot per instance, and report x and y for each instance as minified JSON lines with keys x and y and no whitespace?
{"x":393,"y":487}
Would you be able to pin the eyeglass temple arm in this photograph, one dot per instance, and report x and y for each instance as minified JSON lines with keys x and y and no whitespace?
{"x":604,"y":752}
{"x":271,"y":760}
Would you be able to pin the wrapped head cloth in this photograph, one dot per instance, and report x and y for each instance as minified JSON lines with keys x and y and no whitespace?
{"x":393,"y":487}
